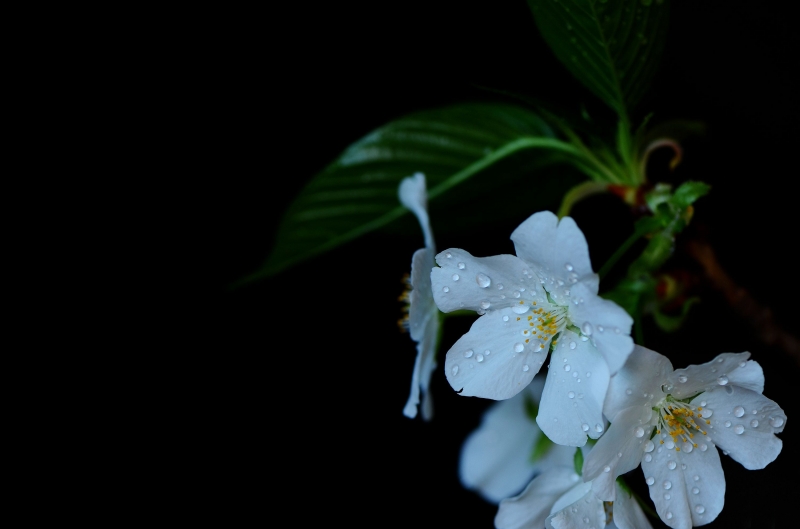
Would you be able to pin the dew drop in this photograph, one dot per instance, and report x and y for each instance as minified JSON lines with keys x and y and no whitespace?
{"x":695,"y":491}
{"x":455,"y":277}
{"x":568,"y":267}
{"x":672,"y":464}
{"x":526,"y":368}
{"x":667,"y":485}
{"x":485,"y":304}
{"x":516,"y":294}
{"x":722,"y":380}
{"x":598,"y":428}
{"x":585,"y":427}
{"x":702,"y":403}
{"x":518,"y":347}
{"x":607,"y":469}
{"x":567,"y":368}
{"x":449,"y":255}
{"x":699,"y":509}
{"x":703,"y":447}
{"x":479,"y":358}
{"x":650,"y":480}
{"x":638,"y":431}
{"x":455,"y":370}
{"x":742,"y":364}
{"x":483,"y":280}
{"x":669,"y":515}
{"x":572,"y":345}
{"x":505,"y":318}
{"x":727,"y":424}
{"x":706,"y":412}
{"x":667,"y":496}
{"x":649,"y":446}
{"x":754,"y":423}
{"x":669,"y":444}
{"x":500,"y":286}
{"x":738,"y":411}
{"x":738,"y":429}
{"x":519,"y":309}
{"x":446,"y":290}
{"x":468,"y":353}
{"x":461,"y":266}
{"x":682,"y":379}
{"x":776,"y":422}
{"x":696,"y":477}
{"x":648,"y":458}
{"x":687,"y":447}
{"x":571,"y":394}
{"x":580,"y":396}
{"x":600,"y":328}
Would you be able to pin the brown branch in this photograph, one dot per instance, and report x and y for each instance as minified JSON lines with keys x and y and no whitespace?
{"x":750,"y":310}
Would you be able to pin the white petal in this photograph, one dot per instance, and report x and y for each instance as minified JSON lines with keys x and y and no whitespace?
{"x":639,"y":381}
{"x":508,"y":366}
{"x":748,"y":437}
{"x":414,"y":196}
{"x":619,"y":450}
{"x":421,"y":304}
{"x":687,"y":488}
{"x":609,"y":324}
{"x":463,"y":281}
{"x":715,"y":373}
{"x":572,"y":401}
{"x":424,"y":365}
{"x":557,"y":248}
{"x":495,"y":458}
{"x":583,"y":510}
{"x":627,"y":512}
{"x":529,"y":509}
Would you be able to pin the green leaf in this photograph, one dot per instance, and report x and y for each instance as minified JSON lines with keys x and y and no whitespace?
{"x":611,"y":46}
{"x":688,"y":193}
{"x":540,"y":448}
{"x":357,"y":193}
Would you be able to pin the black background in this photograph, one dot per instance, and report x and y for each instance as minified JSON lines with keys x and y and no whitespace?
{"x":302,"y":378}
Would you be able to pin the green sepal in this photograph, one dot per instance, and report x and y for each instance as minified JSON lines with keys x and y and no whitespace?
{"x":540,"y":448}
{"x":578,"y":461}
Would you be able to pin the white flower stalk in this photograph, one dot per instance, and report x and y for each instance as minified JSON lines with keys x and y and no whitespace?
{"x":545,"y":295}
{"x":423,"y":316}
{"x":496,"y":458}
{"x":558,"y":499}
{"x":687,"y":413}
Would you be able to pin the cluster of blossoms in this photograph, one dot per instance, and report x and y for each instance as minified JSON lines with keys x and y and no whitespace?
{"x":544,"y":300}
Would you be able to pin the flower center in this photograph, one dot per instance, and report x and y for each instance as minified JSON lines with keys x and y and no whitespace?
{"x":543,"y":322}
{"x":680,"y":420}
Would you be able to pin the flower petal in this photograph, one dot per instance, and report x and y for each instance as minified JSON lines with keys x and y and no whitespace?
{"x":579,"y":507}
{"x":421,"y":304}
{"x":493,"y":360}
{"x":424,"y":365}
{"x":529,"y":509}
{"x":744,"y":424}
{"x":619,"y":450}
{"x":627,"y":512}
{"x":414,"y":196}
{"x":693,"y":379}
{"x":572,"y":401}
{"x":639,"y":381}
{"x":687,"y":487}
{"x":495,"y":458}
{"x":483,"y":284}
{"x":608,"y":325}
{"x":558,"y":249}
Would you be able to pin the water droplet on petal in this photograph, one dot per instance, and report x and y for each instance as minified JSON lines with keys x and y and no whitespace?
{"x":671,"y":465}
{"x":722,"y":380}
{"x":479,"y":358}
{"x":449,"y":255}
{"x":682,"y":379}
{"x":468,"y":353}
{"x":638,"y":431}
{"x":585,"y":427}
{"x":446,"y":290}
{"x":516,"y":294}
{"x":567,"y":368}
{"x":483,"y":280}
{"x":505,"y":318}
{"x":600,"y":328}
{"x":738,"y":411}
{"x":519,"y":309}
{"x":754,"y":423}
{"x":518,"y":347}
{"x":699,"y":509}
{"x":696,"y":477}
{"x":667,"y":496}
{"x":667,"y":485}
{"x":706,"y":412}
{"x":485,"y":304}
{"x":587,"y":328}
{"x":571,"y":394}
{"x":650,"y":480}
{"x":568,"y":267}
{"x":607,"y":469}
{"x":695,"y":491}
{"x":776,"y":422}
{"x":598,"y":428}
{"x":669,"y":515}
{"x":649,"y":446}
{"x":461,"y":266}
{"x":742,"y":364}
{"x":526,"y":368}
{"x":703,"y":447}
{"x":648,"y":458}
{"x":572,"y":345}
{"x":455,"y":277}
{"x":738,"y":429}
{"x":455,"y":370}
{"x":727,"y":424}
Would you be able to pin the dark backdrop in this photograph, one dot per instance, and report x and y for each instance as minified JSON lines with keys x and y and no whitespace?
{"x":302,"y":380}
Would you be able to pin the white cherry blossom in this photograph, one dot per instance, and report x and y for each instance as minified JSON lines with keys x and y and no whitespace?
{"x":545,"y":295}
{"x":687,"y":412}
{"x":496,"y":458}
{"x":423,"y":316}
